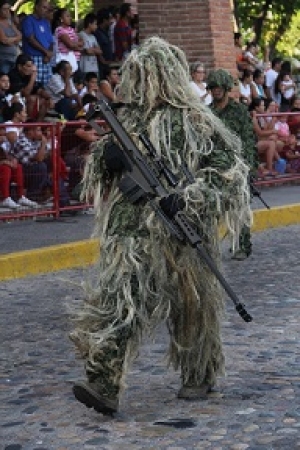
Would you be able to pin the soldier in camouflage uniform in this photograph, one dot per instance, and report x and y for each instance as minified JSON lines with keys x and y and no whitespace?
{"x":236,"y":117}
{"x":144,"y":275}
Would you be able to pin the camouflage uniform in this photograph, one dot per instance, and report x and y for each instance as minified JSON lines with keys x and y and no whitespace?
{"x":236,"y":117}
{"x":146,"y":276}
{"x":128,"y":222}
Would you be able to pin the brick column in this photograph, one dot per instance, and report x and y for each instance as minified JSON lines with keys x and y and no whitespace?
{"x":202,"y":28}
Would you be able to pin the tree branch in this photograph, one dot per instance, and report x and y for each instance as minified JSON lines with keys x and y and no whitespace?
{"x":18,"y":4}
{"x":259,"y":21}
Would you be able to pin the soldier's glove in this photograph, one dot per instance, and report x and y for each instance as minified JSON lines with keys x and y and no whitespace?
{"x":115,"y":159}
{"x":172,"y":204}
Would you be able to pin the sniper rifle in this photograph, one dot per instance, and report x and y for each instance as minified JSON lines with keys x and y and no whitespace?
{"x":139,"y":181}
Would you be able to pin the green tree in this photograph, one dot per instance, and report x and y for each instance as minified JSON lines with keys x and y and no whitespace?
{"x":79,"y":8}
{"x":267,"y":19}
{"x":289,"y":44}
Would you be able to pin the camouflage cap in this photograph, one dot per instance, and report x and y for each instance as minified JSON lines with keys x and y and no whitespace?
{"x":220,"y":78}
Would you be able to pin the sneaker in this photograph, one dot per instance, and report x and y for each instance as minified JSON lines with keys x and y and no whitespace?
{"x":91,"y":398}
{"x":24,"y":201}
{"x":9,"y":203}
{"x":189,"y":392}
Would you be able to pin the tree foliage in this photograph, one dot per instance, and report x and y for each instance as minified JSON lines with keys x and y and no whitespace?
{"x":79,"y":7}
{"x":268,"y":20}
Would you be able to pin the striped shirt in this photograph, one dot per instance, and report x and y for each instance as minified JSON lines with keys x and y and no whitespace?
{"x":73,"y":36}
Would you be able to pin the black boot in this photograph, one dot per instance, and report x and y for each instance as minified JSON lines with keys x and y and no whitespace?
{"x":89,"y":394}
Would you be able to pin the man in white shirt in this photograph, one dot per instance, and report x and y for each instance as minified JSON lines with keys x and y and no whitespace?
{"x":271,"y":76}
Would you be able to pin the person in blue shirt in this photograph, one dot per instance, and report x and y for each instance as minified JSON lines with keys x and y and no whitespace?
{"x":38,"y":40}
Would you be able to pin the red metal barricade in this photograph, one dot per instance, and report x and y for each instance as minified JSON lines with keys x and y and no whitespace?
{"x":68,"y":147}
{"x":52,"y":183}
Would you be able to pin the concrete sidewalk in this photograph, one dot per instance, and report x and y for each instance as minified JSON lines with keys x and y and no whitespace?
{"x":46,"y":245}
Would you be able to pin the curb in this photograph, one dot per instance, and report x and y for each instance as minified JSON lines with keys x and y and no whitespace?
{"x":84,"y":253}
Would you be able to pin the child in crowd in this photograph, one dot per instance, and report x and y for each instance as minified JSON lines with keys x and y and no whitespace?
{"x":11,"y":171}
{"x":282,"y":128}
{"x":91,"y":50}
{"x":88,"y":100}
{"x":91,"y":85}
{"x":30,"y":151}
{"x":78,"y":80}
{"x":7,"y":99}
{"x":288,"y":87}
{"x":250,"y":56}
{"x":291,"y":153}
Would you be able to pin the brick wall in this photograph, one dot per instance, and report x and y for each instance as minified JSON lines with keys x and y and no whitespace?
{"x":202,"y":28}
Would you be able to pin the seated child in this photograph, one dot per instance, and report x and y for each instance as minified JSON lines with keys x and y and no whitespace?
{"x":282,"y":128}
{"x":292,"y":155}
{"x":88,"y":100}
{"x":91,"y":85}
{"x":78,"y":80}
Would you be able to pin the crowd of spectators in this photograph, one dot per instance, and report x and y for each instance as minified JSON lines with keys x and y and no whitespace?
{"x":269,"y":88}
{"x":266,"y":89}
{"x":53,"y":69}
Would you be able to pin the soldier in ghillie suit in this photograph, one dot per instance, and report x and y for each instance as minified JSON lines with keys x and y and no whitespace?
{"x":145,"y":275}
{"x":236,"y":117}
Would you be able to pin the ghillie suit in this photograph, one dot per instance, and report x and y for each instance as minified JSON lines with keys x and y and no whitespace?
{"x":236,"y":117}
{"x":145,"y":276}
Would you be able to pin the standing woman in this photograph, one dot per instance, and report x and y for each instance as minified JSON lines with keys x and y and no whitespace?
{"x":10,"y":37}
{"x":198,"y":85}
{"x":257,"y":85}
{"x":68,"y":44}
{"x":266,"y":139}
{"x":108,"y":85}
{"x":286,"y":87}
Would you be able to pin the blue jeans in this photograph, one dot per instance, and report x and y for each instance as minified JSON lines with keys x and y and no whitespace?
{"x":36,"y":179}
{"x":6,"y":66}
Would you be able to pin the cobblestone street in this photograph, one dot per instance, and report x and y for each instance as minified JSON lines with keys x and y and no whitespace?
{"x":255,"y":407}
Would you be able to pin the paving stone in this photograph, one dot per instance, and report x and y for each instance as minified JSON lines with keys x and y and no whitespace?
{"x":255,"y":407}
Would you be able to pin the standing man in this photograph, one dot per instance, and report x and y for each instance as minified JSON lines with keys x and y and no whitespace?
{"x":38,"y":40}
{"x":145,"y":275}
{"x":271,"y":77}
{"x":91,"y":51}
{"x":111,"y":32}
{"x":104,"y":18}
{"x":123,"y":33}
{"x":236,"y":117}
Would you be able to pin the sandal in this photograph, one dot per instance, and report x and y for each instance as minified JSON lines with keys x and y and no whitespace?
{"x":270,"y":173}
